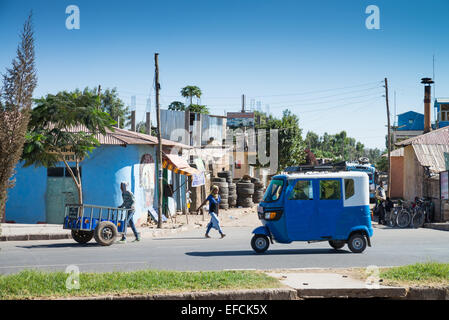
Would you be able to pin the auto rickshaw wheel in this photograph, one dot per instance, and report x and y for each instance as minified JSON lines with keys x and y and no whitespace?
{"x":337,"y":244}
{"x":357,"y":243}
{"x":105,"y":233}
{"x":260,"y":243}
{"x":82,"y":236}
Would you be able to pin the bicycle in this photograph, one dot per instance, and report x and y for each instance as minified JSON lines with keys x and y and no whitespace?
{"x":428,"y":208}
{"x":403,"y":216}
{"x":419,"y":214}
{"x":391,"y":217}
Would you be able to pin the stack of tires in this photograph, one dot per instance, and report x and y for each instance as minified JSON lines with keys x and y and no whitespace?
{"x":259,"y":190}
{"x":232,"y":195}
{"x":223,"y":191}
{"x":245,"y":191}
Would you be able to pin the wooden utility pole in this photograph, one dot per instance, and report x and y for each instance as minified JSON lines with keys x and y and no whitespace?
{"x":159,"y":145}
{"x":389,"y":138}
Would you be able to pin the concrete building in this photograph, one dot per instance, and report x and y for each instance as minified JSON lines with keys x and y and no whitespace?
{"x":423,"y":160}
{"x":40,"y":194}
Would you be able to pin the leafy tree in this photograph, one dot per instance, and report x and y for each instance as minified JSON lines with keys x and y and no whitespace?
{"x":191,"y":91}
{"x":16,"y":94}
{"x":382,"y":164}
{"x":65,"y":121}
{"x":199,"y":108}
{"x":114,"y":106}
{"x":290,"y":144}
{"x":177,"y":106}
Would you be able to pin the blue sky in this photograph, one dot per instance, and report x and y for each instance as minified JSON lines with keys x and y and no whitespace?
{"x":316,"y":58}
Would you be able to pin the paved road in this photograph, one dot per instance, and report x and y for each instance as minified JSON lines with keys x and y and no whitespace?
{"x":190,"y":251}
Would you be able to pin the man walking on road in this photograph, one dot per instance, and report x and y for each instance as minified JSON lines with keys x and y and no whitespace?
{"x":214,"y":200}
{"x":128,"y":203}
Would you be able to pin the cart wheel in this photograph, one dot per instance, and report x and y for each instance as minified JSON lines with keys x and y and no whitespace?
{"x":337,"y":244}
{"x":82,"y":236}
{"x":105,"y":233}
{"x":260,"y":243}
{"x":357,"y":243}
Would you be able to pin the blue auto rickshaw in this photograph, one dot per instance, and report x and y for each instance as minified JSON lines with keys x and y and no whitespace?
{"x":316,"y":206}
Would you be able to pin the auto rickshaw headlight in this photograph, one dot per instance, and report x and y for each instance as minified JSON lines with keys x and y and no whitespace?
{"x":272,"y":215}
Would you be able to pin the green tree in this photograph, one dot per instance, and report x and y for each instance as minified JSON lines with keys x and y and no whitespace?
{"x":16,"y":94}
{"x":61,"y":122}
{"x":114,"y":106}
{"x":382,"y":164}
{"x":290,"y":144}
{"x":199,"y":108}
{"x":177,"y":106}
{"x":191,"y":91}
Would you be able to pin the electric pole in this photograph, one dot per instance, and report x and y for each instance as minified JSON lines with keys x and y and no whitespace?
{"x":389,"y":138}
{"x":159,"y":145}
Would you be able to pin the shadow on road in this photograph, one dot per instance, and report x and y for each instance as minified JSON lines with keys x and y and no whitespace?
{"x":267,"y":253}
{"x":184,"y":238}
{"x":61,"y":245}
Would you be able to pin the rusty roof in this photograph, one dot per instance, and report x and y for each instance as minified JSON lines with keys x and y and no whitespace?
{"x":431,"y":156}
{"x":125,"y":137}
{"x":439,"y":136}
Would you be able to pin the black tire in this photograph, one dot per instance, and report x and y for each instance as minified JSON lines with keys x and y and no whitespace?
{"x":221,"y":184}
{"x":223,"y":206}
{"x":219,"y":179}
{"x":245,"y":191}
{"x":403,"y":219}
{"x":418,"y":219}
{"x":224,"y":201}
{"x":224,"y":174}
{"x":224,"y":196}
{"x":105,"y":233}
{"x":245,"y":204}
{"x":82,"y":236}
{"x":260,"y":243}
{"x":337,"y":244}
{"x":245,"y":185}
{"x":259,"y":185}
{"x":357,"y":243}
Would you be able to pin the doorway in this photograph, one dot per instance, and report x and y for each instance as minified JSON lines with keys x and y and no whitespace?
{"x":61,"y":190}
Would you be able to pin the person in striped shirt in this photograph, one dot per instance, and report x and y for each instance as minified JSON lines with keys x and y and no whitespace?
{"x":128,"y":203}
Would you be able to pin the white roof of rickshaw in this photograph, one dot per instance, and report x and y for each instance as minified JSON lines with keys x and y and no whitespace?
{"x":324,"y":175}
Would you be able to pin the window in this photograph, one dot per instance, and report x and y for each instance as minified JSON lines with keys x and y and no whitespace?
{"x":330,"y":190}
{"x":55,"y":172}
{"x":303,"y":190}
{"x":61,"y":172}
{"x":444,"y":112}
{"x":67,"y":173}
{"x":273,"y":191}
{"x":349,"y":188}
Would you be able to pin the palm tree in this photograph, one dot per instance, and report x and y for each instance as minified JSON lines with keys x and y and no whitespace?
{"x":190,"y":92}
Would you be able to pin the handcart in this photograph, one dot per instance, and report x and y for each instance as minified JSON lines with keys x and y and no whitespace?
{"x":90,"y":221}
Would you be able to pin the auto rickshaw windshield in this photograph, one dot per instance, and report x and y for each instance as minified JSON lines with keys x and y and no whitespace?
{"x":274,"y":190}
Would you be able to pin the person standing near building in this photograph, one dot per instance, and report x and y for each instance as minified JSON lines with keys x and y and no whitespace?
{"x":380,"y":202}
{"x":128,"y":203}
{"x":214,"y":200}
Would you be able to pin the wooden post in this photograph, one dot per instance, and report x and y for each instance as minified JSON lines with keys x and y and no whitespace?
{"x":159,"y":145}
{"x":389,"y":139}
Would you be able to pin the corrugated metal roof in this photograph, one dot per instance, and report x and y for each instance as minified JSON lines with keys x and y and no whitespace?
{"x":431,"y":155}
{"x":435,"y":137}
{"x":124,"y":137}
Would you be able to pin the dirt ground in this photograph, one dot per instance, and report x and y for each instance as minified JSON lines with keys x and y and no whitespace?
{"x":233,"y":217}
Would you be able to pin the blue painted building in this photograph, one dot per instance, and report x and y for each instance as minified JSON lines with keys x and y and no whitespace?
{"x":40,"y":194}
{"x":442,"y":111}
